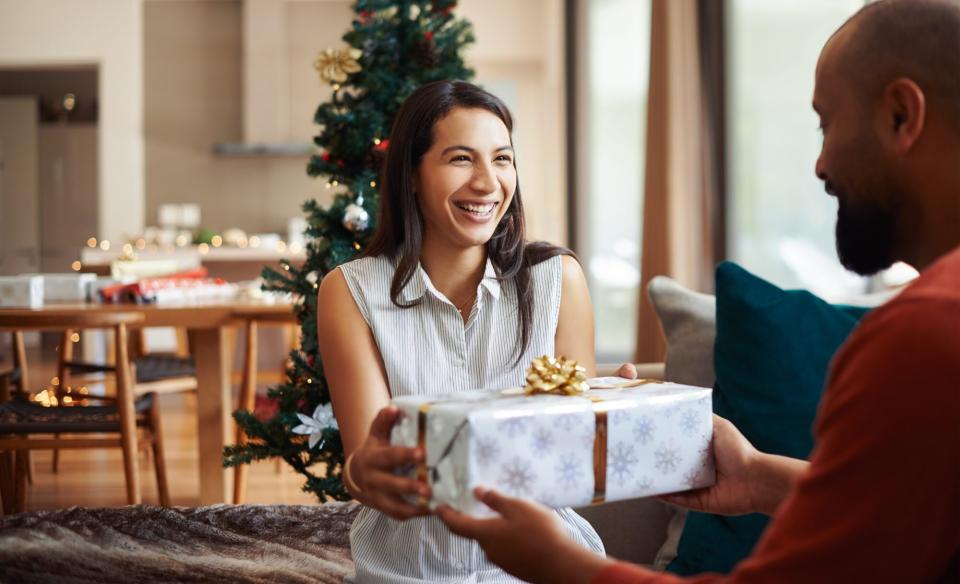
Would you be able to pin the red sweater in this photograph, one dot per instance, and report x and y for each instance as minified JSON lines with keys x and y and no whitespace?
{"x":880,"y":501}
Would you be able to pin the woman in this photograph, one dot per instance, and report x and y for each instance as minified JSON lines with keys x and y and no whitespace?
{"x":448,"y":297}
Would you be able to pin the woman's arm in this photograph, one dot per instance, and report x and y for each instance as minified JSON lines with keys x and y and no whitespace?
{"x":358,"y":389}
{"x":574,"y":338}
{"x":351,"y":361}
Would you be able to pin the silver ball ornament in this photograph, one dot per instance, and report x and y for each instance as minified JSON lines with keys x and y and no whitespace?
{"x":356,"y":218}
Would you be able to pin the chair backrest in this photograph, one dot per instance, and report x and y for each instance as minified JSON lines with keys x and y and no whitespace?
{"x":70,"y":318}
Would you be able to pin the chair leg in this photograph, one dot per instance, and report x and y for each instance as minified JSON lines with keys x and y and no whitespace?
{"x":7,"y":481}
{"x":66,"y":355}
{"x":128,"y":422}
{"x":159,"y":460}
{"x":248,"y":394}
{"x":20,"y":494}
{"x":20,"y":362}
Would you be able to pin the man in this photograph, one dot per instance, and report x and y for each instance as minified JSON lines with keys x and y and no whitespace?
{"x":879,"y":500}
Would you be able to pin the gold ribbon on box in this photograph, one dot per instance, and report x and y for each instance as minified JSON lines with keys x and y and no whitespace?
{"x":551,"y":376}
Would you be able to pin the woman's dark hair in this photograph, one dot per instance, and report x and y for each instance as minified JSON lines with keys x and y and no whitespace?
{"x":399,"y":234}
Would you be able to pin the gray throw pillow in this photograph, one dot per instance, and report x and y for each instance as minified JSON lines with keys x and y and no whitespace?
{"x":635,"y":530}
{"x":689,"y":322}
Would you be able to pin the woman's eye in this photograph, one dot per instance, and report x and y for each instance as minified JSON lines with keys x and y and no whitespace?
{"x":460,"y":158}
{"x":504,"y":158}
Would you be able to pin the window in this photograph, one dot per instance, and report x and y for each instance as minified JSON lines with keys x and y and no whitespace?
{"x":612,"y":109}
{"x":781,"y":222}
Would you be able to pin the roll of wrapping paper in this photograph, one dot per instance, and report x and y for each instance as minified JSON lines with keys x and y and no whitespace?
{"x":565,"y":378}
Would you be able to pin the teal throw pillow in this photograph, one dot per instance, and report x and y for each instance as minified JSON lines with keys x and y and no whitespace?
{"x":771,"y":355}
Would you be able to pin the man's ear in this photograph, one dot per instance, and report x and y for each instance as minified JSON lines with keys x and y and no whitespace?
{"x":903,"y":113}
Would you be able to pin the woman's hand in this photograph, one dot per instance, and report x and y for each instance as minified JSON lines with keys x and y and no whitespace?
{"x":372,"y":470}
{"x":526,"y":539}
{"x":627,"y":371}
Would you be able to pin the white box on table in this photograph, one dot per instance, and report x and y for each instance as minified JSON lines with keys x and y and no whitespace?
{"x":21,"y":291}
{"x":68,"y":287}
{"x":657,"y":440}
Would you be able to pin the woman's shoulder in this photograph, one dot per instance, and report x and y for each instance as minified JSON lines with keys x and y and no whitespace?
{"x":367,"y":276}
{"x":368,"y":269}
{"x":548,"y":261}
{"x":366,"y":280}
{"x":550,"y":267}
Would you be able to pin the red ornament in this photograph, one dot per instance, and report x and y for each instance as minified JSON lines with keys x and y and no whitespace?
{"x":325,"y":157}
{"x":311,"y":360}
{"x":366,"y":15}
{"x":428,"y":35}
{"x":340,"y":163}
{"x":382,"y":146}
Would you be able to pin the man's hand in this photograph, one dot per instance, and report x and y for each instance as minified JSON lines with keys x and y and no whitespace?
{"x":527,"y":540}
{"x":733,"y":492}
{"x":748,"y":481}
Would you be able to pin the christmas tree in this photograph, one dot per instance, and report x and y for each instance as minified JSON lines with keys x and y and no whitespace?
{"x":393,"y":46}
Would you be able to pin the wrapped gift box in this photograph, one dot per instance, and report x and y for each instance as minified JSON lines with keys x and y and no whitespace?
{"x":69,"y":287}
{"x":21,"y":291}
{"x":602,"y":445}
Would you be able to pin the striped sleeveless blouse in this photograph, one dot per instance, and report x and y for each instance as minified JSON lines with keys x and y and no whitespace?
{"x":426,"y":350}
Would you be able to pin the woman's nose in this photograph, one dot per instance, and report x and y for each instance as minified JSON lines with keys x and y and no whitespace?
{"x":484,"y":178}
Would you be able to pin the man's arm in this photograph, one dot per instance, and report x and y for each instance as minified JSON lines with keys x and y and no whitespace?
{"x":880,"y":500}
{"x":877,"y":504}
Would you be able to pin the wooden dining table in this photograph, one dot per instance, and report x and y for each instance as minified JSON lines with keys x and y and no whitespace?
{"x":209,"y":327}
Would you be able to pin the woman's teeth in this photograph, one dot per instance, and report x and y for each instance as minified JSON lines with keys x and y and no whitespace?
{"x":476,"y":209}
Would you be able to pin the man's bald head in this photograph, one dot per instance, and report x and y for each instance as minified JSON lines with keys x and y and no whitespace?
{"x":916,"y":39}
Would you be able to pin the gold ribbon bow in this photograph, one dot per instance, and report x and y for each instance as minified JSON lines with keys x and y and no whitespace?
{"x":556,"y":375}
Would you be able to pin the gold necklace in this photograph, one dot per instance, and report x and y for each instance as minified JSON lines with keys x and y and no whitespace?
{"x":464,"y":305}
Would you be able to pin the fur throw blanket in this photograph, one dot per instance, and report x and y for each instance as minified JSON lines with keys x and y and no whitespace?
{"x":221,"y":543}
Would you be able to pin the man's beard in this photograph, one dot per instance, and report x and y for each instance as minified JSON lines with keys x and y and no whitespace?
{"x":865,"y":235}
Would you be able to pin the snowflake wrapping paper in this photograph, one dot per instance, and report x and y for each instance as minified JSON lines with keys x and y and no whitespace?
{"x":653,"y":439}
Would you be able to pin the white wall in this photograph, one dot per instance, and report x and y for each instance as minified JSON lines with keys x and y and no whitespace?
{"x":108,"y":33}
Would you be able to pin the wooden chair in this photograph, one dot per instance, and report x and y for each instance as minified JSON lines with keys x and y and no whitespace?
{"x":248,"y":392}
{"x":157,"y":373}
{"x":19,"y":377}
{"x":21,"y":421}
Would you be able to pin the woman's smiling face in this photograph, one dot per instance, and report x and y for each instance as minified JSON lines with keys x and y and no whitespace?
{"x":466,"y":180}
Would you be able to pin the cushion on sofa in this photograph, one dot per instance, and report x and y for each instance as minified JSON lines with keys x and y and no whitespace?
{"x":646,"y":531}
{"x":772,"y":351}
{"x":689,"y":323}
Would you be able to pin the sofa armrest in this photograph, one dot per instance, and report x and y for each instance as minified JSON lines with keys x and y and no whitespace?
{"x":644,"y":370}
